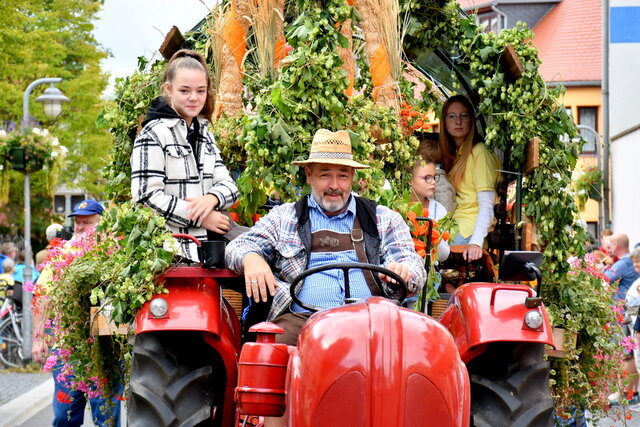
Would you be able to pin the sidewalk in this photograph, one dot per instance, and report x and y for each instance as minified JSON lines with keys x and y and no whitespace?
{"x":23,"y":395}
{"x":25,"y":400}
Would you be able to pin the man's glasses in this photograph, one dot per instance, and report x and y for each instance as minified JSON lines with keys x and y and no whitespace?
{"x":429,"y":179}
{"x":452,"y":117}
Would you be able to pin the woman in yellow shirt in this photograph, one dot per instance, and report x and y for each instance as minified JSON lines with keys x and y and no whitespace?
{"x":472,"y":169}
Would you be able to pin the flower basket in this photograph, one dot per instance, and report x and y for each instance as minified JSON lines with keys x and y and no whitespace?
{"x":101,"y":324}
{"x":562,"y":345}
{"x":594,"y":192}
{"x":17,"y":158}
{"x":27,"y":153}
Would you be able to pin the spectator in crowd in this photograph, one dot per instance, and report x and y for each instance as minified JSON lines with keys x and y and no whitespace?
{"x":17,"y":274}
{"x":7,"y":250}
{"x":6,"y":278}
{"x":622,"y":271}
{"x":51,"y":233}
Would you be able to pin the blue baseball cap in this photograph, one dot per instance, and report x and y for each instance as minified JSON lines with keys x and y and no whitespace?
{"x":87,"y":207}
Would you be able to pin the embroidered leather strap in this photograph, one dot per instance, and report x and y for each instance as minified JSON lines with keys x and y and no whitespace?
{"x":331,"y":241}
{"x":357,"y":237}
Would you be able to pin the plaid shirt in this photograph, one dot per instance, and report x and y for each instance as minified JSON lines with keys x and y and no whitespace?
{"x":275,"y":237}
{"x":165,"y":172}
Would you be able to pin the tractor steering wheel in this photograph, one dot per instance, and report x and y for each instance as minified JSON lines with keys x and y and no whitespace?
{"x":395,"y":291}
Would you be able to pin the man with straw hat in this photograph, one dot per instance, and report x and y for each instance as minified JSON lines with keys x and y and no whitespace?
{"x":330,"y":225}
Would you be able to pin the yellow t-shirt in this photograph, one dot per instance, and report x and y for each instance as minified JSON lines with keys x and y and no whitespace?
{"x":481,"y":174}
{"x":5,"y":280}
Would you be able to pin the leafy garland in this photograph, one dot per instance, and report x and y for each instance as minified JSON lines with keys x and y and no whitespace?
{"x":114,"y":267}
{"x":515,"y":112}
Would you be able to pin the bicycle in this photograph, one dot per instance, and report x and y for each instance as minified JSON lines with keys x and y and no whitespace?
{"x":11,"y":327}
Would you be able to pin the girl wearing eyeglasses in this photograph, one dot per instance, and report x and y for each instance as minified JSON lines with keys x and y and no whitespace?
{"x":472,"y":169}
{"x":423,"y":187}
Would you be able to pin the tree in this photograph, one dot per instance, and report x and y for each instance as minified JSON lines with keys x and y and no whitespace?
{"x":53,"y":38}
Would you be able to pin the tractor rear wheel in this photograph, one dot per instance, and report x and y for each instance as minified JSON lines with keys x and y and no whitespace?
{"x":510,"y":387}
{"x":171,"y":380}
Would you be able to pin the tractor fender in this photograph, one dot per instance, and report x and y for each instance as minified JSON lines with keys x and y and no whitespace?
{"x":482,"y":313}
{"x":373,"y":363}
{"x":195,"y":303}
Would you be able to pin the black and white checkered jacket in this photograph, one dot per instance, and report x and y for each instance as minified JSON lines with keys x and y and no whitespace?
{"x":165,"y":172}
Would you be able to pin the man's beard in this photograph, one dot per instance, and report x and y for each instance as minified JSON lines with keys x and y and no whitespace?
{"x":331,"y":207}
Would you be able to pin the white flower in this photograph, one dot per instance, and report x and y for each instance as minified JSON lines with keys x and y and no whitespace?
{"x":170,"y":246}
{"x":55,"y":142}
{"x":3,"y":134}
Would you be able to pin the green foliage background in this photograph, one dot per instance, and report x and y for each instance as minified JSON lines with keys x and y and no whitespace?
{"x":52,"y":38}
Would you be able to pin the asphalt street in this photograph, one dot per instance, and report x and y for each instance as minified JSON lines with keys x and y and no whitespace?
{"x":25,"y":401}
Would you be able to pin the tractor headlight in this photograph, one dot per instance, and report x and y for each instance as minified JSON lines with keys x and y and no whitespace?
{"x":533,"y":319}
{"x":159,"y":307}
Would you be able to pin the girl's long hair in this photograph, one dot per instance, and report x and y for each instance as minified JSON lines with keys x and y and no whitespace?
{"x":192,"y":60}
{"x":454,"y":164}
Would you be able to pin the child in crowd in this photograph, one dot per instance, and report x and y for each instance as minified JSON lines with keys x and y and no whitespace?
{"x":6,"y":277}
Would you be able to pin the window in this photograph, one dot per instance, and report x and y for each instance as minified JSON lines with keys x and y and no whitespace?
{"x":569,"y":112}
{"x":588,"y":116}
{"x":491,"y":22}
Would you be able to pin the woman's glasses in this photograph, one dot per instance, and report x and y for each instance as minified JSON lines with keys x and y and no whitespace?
{"x":452,"y":117}
{"x":429,"y":179}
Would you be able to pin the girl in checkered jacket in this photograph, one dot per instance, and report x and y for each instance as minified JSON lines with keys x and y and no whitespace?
{"x":176,"y":166}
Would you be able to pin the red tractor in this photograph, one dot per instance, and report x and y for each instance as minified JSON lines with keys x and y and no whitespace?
{"x":365,"y":363}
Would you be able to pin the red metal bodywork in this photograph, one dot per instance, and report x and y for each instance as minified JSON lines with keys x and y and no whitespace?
{"x":482,"y":313}
{"x":196,"y":304}
{"x":375,"y":364}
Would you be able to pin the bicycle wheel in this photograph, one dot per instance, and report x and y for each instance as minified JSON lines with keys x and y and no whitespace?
{"x":10,"y":344}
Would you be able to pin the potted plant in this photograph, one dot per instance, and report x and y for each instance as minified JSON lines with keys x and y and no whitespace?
{"x":29,"y":152}
{"x":587,"y":185}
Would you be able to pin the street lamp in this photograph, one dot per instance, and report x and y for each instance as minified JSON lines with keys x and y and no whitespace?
{"x":52,"y":98}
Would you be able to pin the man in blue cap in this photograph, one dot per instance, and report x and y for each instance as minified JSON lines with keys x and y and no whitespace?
{"x":87,"y":215}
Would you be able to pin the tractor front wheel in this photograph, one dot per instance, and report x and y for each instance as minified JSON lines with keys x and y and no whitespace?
{"x":510,"y":387}
{"x":171,"y":381}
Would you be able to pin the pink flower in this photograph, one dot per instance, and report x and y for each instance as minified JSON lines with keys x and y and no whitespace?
{"x":29,"y":286}
{"x":50,"y":362}
{"x":629,"y":344}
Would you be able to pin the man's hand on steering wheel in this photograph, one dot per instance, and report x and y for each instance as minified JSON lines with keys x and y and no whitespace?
{"x":258,"y":277}
{"x":400,"y":269}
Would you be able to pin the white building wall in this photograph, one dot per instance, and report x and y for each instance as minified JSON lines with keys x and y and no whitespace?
{"x":624,"y":116}
{"x":625,"y":185}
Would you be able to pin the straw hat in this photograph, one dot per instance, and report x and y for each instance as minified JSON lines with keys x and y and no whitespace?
{"x":333,"y":148}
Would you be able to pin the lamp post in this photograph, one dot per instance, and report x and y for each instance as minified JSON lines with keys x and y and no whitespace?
{"x":52,"y":99}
